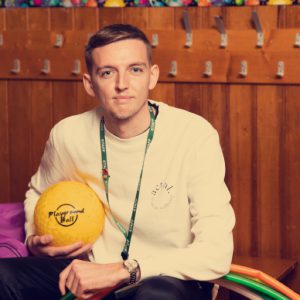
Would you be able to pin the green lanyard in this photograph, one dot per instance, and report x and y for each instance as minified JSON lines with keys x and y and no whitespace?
{"x":105,"y":176}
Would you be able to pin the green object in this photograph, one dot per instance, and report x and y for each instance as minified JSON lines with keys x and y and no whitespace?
{"x":68,"y":296}
{"x":105,"y":176}
{"x":257,"y":286}
{"x":239,"y":2}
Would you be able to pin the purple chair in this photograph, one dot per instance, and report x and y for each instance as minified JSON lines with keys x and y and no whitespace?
{"x":12,"y":232}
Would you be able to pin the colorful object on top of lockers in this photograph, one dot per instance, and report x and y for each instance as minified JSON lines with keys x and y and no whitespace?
{"x":136,"y":3}
{"x":73,"y":3}
{"x":174,"y":3}
{"x":15,"y":3}
{"x":63,"y":3}
{"x":217,"y":2}
{"x":114,"y":3}
{"x":252,"y":2}
{"x":44,"y":3}
{"x":280,"y":2}
{"x":239,"y":2}
{"x":204,"y":2}
{"x":141,"y":3}
{"x":222,"y":2}
{"x":160,"y":3}
{"x":229,"y":2}
{"x":91,"y":3}
{"x":156,"y":3}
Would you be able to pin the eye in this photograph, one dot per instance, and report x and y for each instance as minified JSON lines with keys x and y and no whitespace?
{"x":137,"y":70}
{"x":106,"y":74}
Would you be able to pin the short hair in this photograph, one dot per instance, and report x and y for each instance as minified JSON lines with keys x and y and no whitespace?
{"x":111,"y":34}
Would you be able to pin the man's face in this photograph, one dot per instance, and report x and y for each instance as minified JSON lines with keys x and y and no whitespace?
{"x":121,"y":78}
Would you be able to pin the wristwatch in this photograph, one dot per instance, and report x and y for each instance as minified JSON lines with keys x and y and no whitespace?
{"x":132,"y":266}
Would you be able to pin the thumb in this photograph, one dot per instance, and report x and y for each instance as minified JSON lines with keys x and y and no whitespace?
{"x":42,"y":240}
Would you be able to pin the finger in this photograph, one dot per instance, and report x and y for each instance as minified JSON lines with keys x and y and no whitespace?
{"x":62,"y":279}
{"x":71,"y":283}
{"x":90,"y":296}
{"x":80,"y":251}
{"x":42,"y":240}
{"x":76,"y":287}
{"x":97,"y":296}
{"x":46,"y":239}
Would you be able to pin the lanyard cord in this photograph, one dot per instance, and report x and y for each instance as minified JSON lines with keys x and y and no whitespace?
{"x":106,"y":176}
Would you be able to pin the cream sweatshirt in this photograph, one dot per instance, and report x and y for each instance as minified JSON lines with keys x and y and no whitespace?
{"x":184,"y":220}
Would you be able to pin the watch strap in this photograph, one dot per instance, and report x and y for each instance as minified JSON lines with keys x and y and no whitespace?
{"x":132,"y":271}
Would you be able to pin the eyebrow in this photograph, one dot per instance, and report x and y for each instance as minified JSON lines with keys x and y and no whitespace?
{"x":113,"y":67}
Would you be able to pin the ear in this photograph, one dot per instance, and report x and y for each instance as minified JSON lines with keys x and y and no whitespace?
{"x":87,"y":82}
{"x":154,"y":74}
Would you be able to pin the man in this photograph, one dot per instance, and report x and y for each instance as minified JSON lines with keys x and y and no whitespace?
{"x":160,"y":173}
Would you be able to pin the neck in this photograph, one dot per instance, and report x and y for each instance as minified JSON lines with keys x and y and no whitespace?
{"x":128,"y":128}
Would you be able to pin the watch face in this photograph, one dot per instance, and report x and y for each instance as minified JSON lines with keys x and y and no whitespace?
{"x":131,"y":264}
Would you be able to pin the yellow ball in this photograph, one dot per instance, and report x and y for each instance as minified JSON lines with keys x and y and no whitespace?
{"x":70,"y":211}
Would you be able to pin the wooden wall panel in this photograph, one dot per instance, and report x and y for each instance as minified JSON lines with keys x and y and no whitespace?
{"x":243,"y":20}
{"x":86,"y":19}
{"x":187,"y":96}
{"x":2,"y":19}
{"x":61,"y":19}
{"x":206,"y":16}
{"x":41,"y":119}
{"x":64,"y":100}
{"x":290,"y":209}
{"x":39,"y":19}
{"x":241,"y":167}
{"x":289,"y":17}
{"x":179,"y":17}
{"x":281,"y":17}
{"x":4,"y":144}
{"x":161,"y":18}
{"x":19,"y":122}
{"x":269,"y":140}
{"x":16,"y":19}
{"x":292,"y":166}
{"x":164,"y":92}
{"x":84,"y":101}
{"x":200,"y":18}
{"x":137,"y":16}
{"x":110,"y":15}
{"x":214,"y":108}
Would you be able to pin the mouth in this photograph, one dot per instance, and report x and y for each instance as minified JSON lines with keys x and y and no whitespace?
{"x":122,"y":97}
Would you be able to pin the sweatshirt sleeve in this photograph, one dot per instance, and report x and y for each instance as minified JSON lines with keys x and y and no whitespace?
{"x":209,"y":254}
{"x":51,"y":170}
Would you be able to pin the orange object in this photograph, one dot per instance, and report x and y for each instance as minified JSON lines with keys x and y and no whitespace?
{"x":91,"y":3}
{"x":70,"y":211}
{"x":265,"y":278}
{"x":251,"y":2}
{"x":204,"y":2}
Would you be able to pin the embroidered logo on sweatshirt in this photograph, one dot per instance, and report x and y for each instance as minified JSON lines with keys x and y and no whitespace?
{"x":161,"y":195}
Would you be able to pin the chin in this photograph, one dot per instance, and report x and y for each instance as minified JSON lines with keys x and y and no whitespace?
{"x":122,"y":116}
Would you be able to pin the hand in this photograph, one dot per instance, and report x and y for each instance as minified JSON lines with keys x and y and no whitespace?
{"x":40,"y":246}
{"x":86,"y":279}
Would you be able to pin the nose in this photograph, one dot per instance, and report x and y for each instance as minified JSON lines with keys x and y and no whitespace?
{"x":122,"y":81}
